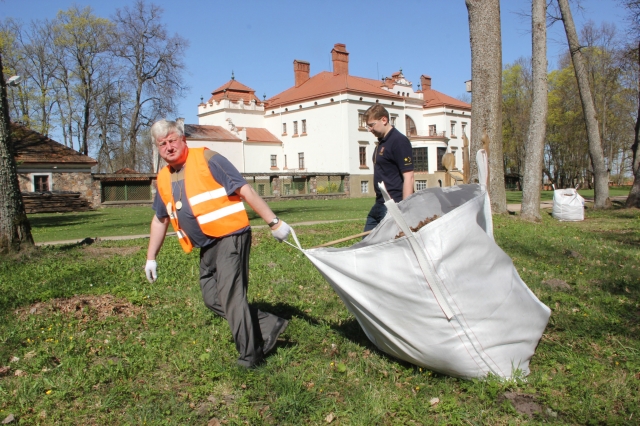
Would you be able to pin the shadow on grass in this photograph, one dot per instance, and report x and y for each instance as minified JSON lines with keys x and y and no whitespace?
{"x":278,"y":211}
{"x":64,"y":219}
{"x":349,"y":329}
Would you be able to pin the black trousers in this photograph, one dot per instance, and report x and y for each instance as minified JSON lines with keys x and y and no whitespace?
{"x":375,"y":216}
{"x":224,"y":276}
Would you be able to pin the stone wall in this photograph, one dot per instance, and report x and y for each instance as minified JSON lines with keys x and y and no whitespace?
{"x":81,"y":182}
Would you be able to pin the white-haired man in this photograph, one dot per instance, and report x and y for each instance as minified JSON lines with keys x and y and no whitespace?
{"x":200,"y":193}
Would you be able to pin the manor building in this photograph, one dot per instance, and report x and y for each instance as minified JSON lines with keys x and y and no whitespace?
{"x":318,"y":126}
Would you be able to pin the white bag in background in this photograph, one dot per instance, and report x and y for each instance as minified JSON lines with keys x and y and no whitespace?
{"x":444,"y":297}
{"x":568,"y":205}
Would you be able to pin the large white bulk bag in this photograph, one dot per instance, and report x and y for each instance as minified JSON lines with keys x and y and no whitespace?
{"x":568,"y":205}
{"x":445,"y":297}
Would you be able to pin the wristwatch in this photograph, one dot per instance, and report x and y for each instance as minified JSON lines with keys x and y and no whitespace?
{"x":275,"y":221}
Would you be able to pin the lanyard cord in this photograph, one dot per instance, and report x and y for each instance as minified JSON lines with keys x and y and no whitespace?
{"x":173,"y":205}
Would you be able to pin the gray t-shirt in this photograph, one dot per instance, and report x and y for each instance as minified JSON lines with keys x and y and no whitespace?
{"x":224,"y":173}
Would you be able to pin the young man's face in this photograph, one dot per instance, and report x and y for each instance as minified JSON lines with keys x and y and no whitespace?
{"x":378,"y":127}
{"x":173,"y":149}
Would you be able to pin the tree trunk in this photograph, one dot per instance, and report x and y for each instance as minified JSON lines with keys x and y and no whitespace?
{"x":132,"y":134}
{"x":15,"y":231}
{"x":601,"y":188}
{"x":486,"y":104}
{"x":633,"y":200}
{"x":538,"y":120}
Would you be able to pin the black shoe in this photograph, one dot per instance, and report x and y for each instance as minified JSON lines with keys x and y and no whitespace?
{"x":270,"y":343}
{"x":251,"y":366}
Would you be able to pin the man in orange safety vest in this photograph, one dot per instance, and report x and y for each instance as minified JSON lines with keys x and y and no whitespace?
{"x":201,"y":194}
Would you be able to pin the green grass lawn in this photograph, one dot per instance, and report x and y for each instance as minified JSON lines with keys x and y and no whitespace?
{"x":85,"y":339}
{"x":108,"y":222}
{"x":515,"y":197}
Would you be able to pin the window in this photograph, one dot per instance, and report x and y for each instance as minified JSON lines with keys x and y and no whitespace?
{"x":453,"y":128}
{"x":464,"y":127}
{"x":363,"y":156}
{"x":304,"y":127}
{"x":432,"y":130}
{"x":364,"y":186}
{"x":441,"y":153}
{"x":41,"y":183}
{"x":393,"y":120}
{"x":284,"y":128}
{"x":295,"y":128}
{"x":301,"y":160}
{"x":362,"y":123}
{"x":421,"y":184}
{"x":261,"y":189}
{"x":274,"y":161}
{"x":420,"y":159}
{"x":125,"y":191}
{"x":411,"y":126}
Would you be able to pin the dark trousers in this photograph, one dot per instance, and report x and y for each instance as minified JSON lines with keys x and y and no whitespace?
{"x":224,"y":275}
{"x":375,"y":216}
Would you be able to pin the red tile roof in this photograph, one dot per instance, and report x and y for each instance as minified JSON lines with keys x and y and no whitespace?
{"x":33,"y":147}
{"x":433,"y":98}
{"x":259,"y":134}
{"x":325,"y":84}
{"x":235,"y":91}
{"x":126,"y":171}
{"x":210,"y":133}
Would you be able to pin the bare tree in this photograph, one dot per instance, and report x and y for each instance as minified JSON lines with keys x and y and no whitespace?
{"x":633,"y":6}
{"x":486,"y":105}
{"x":538,"y":120}
{"x":596,"y":153}
{"x":633,"y":200}
{"x":13,"y":55}
{"x":603,"y":60}
{"x":517,"y":95}
{"x":15,"y":231}
{"x":153,"y":67}
{"x":84,"y":38}
{"x":40,"y":68}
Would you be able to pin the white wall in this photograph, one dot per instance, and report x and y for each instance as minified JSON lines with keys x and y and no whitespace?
{"x":333,"y":137}
{"x":241,"y":114}
{"x":324,"y":147}
{"x":258,"y":157}
{"x":231,"y":150}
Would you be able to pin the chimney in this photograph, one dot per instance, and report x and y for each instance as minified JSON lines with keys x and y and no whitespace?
{"x":340,"y":58}
{"x":301,"y":71}
{"x":425,"y":81}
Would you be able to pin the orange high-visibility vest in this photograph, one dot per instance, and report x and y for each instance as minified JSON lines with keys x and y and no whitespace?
{"x":217,"y":213}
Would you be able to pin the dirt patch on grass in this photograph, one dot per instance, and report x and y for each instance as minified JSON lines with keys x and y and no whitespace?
{"x":523,"y":403}
{"x":557,"y":284}
{"x":102,"y":252}
{"x":85,"y":308}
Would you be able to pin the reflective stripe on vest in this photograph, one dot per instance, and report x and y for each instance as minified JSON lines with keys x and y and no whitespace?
{"x":206,"y":196}
{"x":172,"y":216}
{"x":218,"y":214}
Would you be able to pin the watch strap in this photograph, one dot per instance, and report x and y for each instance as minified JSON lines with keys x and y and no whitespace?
{"x":275,"y":221}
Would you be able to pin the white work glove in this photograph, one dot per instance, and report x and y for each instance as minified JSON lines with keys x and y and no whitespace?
{"x":151,"y":270}
{"x":281,"y":233}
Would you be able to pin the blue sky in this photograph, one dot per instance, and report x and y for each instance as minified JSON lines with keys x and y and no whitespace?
{"x":258,"y":40}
